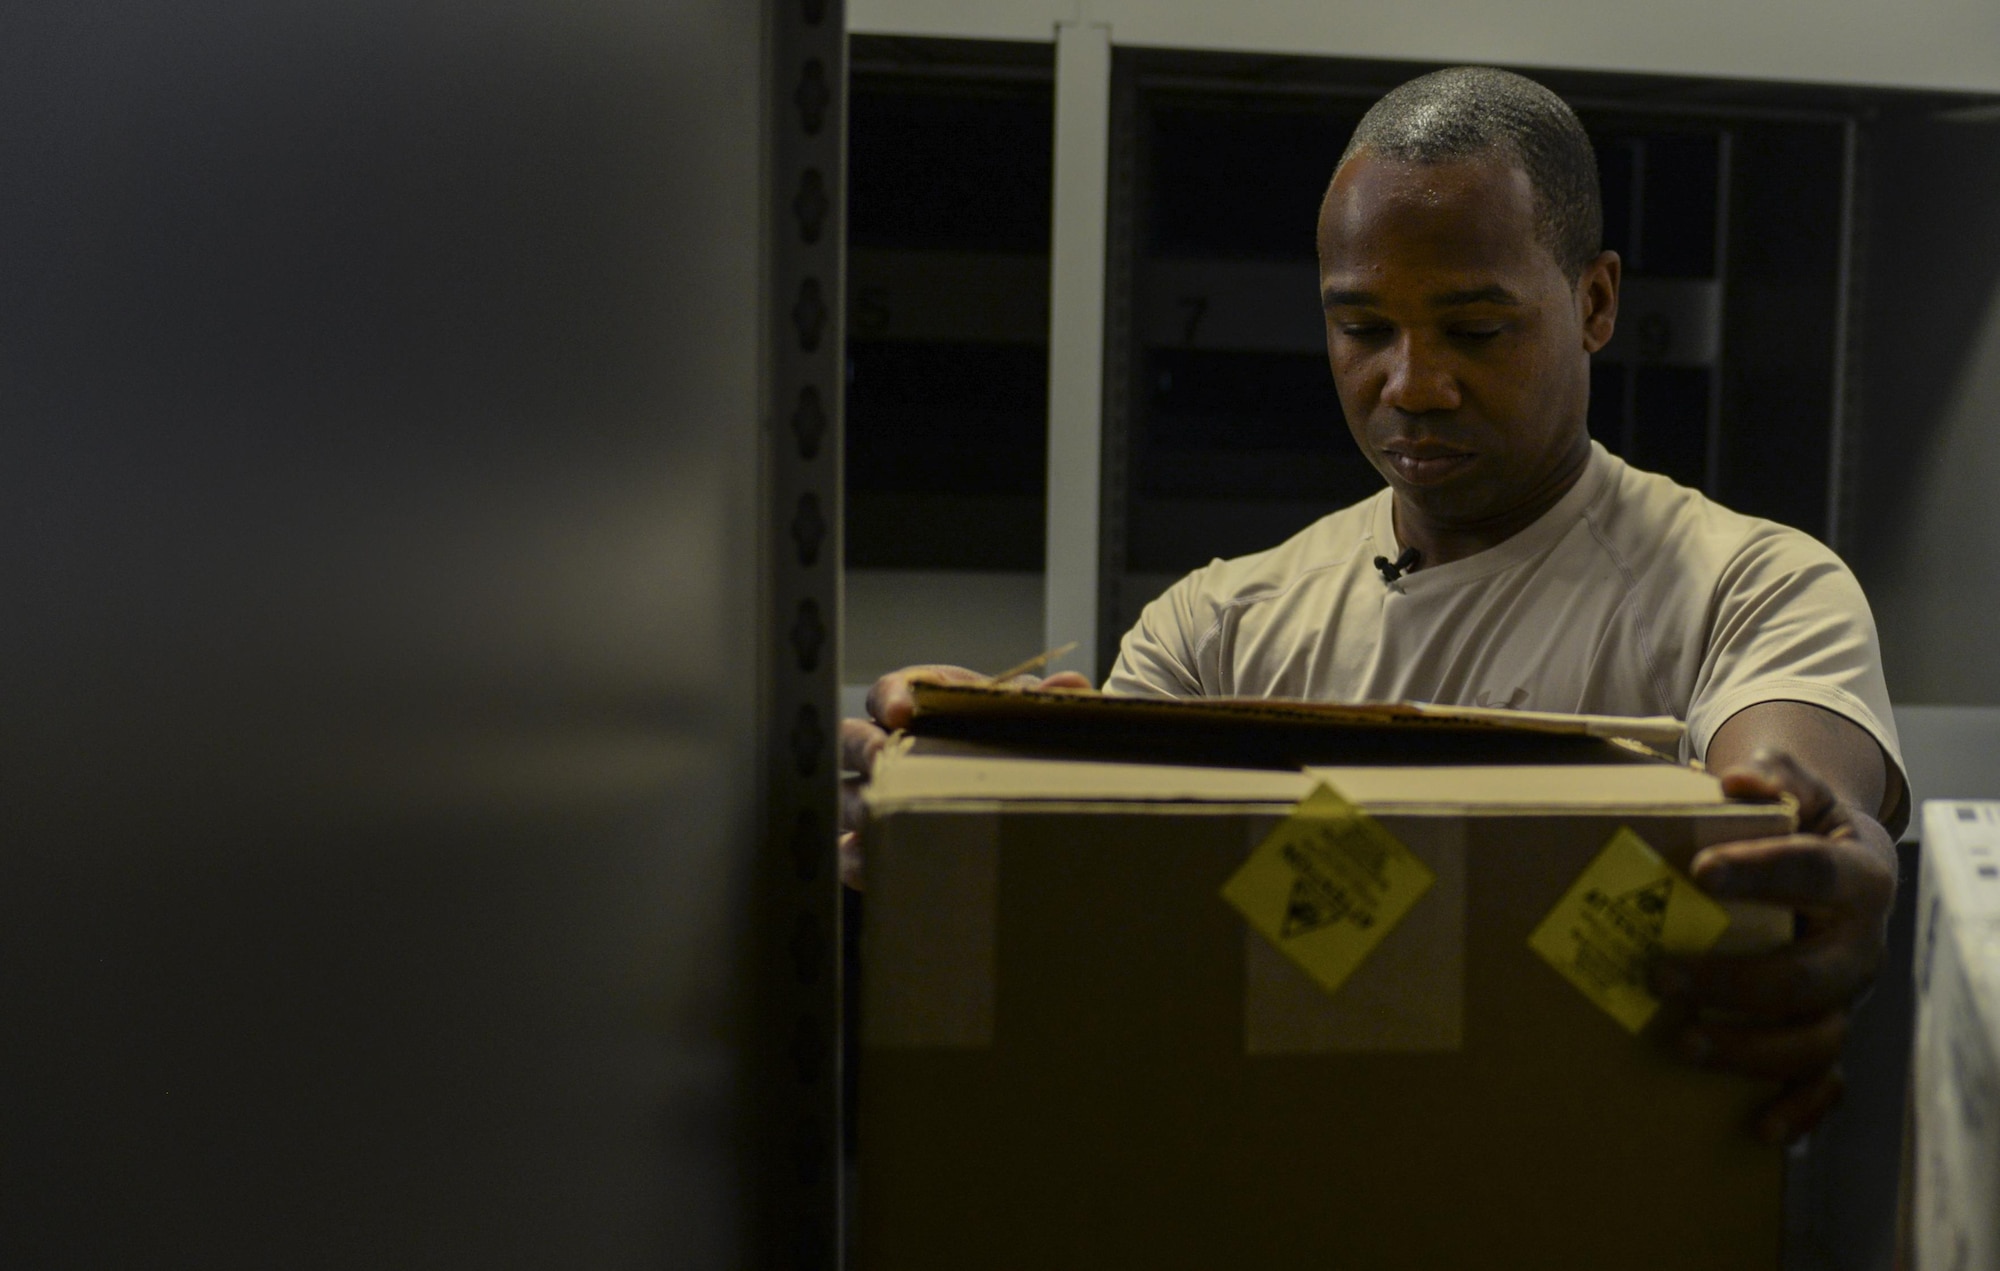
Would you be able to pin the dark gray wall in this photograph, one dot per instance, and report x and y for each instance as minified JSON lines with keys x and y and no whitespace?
{"x":378,"y":387}
{"x":1926,"y":538}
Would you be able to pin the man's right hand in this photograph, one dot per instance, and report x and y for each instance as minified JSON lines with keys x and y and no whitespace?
{"x":890,"y":706}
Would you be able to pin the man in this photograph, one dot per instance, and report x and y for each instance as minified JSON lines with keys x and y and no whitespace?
{"x":1513,"y":562}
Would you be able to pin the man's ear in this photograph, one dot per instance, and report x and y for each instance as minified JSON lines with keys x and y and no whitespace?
{"x":1597,"y":300}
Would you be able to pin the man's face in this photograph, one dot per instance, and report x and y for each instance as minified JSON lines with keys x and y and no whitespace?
{"x":1459,"y":347}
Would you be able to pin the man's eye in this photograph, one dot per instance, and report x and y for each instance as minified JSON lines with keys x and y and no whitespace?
{"x":1364,"y":330}
{"x":1478,"y":331}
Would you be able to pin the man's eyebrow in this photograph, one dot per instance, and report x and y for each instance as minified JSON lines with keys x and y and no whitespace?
{"x":1359,"y":299}
{"x":1492,"y":294}
{"x":1488,"y":295}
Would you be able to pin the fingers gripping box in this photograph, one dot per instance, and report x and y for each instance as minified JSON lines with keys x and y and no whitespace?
{"x":1085,"y":1046}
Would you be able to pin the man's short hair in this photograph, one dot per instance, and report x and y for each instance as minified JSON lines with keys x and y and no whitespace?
{"x":1467,"y":111}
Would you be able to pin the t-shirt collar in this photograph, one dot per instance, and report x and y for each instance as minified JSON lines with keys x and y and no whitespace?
{"x":1529,"y":543}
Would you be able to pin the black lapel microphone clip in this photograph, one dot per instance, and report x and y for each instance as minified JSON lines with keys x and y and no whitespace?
{"x":1394,"y":569}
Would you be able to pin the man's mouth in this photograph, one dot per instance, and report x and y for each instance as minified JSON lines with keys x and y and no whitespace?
{"x":1425,"y":462}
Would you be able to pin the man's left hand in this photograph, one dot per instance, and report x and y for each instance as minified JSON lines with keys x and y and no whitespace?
{"x":1784,"y":1014}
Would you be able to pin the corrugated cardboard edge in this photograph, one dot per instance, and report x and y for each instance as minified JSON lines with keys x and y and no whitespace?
{"x":906,"y":775}
{"x":903,"y":776}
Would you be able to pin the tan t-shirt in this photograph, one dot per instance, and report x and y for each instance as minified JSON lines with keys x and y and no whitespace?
{"x":1632,"y":596}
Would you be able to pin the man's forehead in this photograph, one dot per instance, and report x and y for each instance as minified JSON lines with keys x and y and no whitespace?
{"x":1462,"y":216}
{"x":1369,"y":187}
{"x":1497,"y":166}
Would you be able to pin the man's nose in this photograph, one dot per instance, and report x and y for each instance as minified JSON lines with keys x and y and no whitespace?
{"x":1419,"y":380}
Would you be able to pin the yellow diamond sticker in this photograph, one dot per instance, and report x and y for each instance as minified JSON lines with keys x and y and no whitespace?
{"x":1327,"y":885}
{"x":1627,"y":905}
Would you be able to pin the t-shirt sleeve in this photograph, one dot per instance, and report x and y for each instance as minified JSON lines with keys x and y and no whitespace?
{"x":1158,"y":656}
{"x":1790,"y":624}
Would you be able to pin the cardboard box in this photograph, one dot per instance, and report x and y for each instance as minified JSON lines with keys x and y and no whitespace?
{"x":1956,"y":1068}
{"x":1077,"y":1054}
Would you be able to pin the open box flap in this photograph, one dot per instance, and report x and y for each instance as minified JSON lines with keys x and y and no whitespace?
{"x":972,"y":709}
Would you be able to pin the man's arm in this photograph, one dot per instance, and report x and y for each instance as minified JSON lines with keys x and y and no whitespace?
{"x":1784,"y":1015}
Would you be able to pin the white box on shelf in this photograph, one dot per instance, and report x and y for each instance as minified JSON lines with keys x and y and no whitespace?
{"x":1956,"y":1207}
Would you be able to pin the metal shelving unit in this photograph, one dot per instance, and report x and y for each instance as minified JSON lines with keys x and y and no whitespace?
{"x":950,"y":158}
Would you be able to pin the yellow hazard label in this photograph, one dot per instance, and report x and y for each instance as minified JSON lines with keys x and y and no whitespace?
{"x":1327,"y":885}
{"x":1626,"y":906}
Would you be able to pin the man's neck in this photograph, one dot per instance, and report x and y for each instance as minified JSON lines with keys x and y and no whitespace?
{"x":1442,"y":542}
